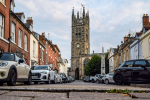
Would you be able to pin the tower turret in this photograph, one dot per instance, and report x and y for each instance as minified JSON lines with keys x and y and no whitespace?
{"x":78,"y":15}
{"x":73,"y":12}
{"x":83,"y":12}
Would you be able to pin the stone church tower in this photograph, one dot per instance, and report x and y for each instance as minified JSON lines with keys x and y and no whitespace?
{"x":80,"y":44}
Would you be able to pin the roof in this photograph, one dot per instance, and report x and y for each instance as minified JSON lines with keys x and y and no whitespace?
{"x":56,"y":47}
{"x":138,"y":33}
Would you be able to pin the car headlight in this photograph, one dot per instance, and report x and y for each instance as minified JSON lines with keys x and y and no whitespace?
{"x":3,"y":64}
{"x":43,"y":72}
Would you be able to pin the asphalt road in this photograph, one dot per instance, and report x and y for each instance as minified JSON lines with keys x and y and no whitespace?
{"x":78,"y":84}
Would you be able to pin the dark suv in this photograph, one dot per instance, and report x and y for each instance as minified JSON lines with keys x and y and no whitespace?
{"x":133,"y":71}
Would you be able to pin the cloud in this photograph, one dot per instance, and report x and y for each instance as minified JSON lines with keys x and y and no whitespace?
{"x":110,"y":20}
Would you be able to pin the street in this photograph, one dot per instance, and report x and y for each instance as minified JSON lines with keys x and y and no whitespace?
{"x":78,"y":84}
{"x":10,"y":94}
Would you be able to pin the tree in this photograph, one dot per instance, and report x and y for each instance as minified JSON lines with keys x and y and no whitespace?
{"x":106,"y":63}
{"x":93,"y":66}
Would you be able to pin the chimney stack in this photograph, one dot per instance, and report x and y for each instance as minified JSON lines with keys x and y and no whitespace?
{"x":125,"y":38}
{"x":29,"y":20}
{"x":145,"y":20}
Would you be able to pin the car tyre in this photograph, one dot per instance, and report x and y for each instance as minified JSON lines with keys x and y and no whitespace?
{"x":106,"y":81}
{"x":13,"y":78}
{"x":97,"y":81}
{"x":92,"y":80}
{"x":1,"y":84}
{"x":29,"y":82}
{"x":118,"y":79}
{"x":35,"y":82}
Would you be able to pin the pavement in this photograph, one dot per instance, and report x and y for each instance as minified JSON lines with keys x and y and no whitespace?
{"x":77,"y":90}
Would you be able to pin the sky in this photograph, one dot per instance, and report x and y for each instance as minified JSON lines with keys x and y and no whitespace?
{"x":110,"y":20}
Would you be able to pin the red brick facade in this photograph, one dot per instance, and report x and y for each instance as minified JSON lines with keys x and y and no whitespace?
{"x":4,"y":11}
{"x":25,"y":31}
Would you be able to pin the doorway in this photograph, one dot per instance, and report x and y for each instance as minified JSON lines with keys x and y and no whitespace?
{"x":77,"y":74}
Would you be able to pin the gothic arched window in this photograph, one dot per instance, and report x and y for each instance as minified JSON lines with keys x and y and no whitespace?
{"x":76,"y":35}
{"x":79,"y":35}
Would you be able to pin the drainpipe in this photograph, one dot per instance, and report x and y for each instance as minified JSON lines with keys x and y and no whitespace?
{"x":138,"y":47}
{"x":9,"y":26}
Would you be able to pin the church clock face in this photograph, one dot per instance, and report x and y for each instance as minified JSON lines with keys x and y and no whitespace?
{"x":78,"y":45}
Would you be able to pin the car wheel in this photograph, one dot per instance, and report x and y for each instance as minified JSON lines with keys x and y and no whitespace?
{"x":13,"y":78}
{"x":35,"y":82}
{"x":103,"y":81}
{"x":49,"y":81}
{"x":29,"y":82}
{"x":92,"y":80}
{"x":106,"y":81}
{"x":1,"y":84}
{"x":97,"y":81}
{"x":118,"y":79}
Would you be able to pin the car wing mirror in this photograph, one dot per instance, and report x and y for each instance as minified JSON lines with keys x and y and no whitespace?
{"x":20,"y":61}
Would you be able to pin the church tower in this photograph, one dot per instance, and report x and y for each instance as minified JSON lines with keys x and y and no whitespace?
{"x":80,"y":44}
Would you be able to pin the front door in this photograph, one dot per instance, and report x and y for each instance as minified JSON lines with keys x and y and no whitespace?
{"x":77,"y":74}
{"x":140,"y":74}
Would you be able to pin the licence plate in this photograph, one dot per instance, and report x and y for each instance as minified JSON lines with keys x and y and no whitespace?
{"x":34,"y":76}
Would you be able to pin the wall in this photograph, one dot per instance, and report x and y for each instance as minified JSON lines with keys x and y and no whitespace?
{"x":145,"y":44}
{"x":4,"y":10}
{"x":34,"y":58}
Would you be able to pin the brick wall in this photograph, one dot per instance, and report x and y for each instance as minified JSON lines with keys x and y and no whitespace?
{"x":4,"y":10}
{"x":25,"y":31}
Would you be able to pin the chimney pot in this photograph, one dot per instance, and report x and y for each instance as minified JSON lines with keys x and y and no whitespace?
{"x":146,"y":14}
{"x":29,"y":20}
{"x":143,"y":14}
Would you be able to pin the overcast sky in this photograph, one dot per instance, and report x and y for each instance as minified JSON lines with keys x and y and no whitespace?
{"x":110,"y":20}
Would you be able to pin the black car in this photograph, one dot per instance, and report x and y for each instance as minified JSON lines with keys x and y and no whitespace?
{"x":64,"y":77}
{"x":87,"y":79}
{"x":133,"y":71}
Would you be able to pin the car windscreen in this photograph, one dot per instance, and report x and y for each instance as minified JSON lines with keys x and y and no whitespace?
{"x":39,"y":68}
{"x":7,"y":56}
{"x":122,"y":64}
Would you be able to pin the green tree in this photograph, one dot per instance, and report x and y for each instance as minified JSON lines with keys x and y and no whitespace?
{"x":93,"y":66}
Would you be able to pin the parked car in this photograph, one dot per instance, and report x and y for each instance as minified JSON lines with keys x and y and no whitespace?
{"x":71,"y":79}
{"x":133,"y":71}
{"x":13,"y":68}
{"x":58,"y":78}
{"x":93,"y":79}
{"x":43,"y":73}
{"x":108,"y":78}
{"x":64,"y":78}
{"x":87,"y":79}
{"x":99,"y":79}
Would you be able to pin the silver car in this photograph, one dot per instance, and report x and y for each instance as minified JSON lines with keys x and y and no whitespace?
{"x":108,"y":78}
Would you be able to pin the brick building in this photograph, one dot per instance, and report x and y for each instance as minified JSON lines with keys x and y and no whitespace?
{"x":4,"y":24}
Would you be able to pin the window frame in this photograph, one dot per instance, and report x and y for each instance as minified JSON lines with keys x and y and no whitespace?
{"x":127,"y":62}
{"x":20,"y":38}
{"x":3,"y":26}
{"x":13,"y":32}
{"x":33,"y":48}
{"x":25,"y":42}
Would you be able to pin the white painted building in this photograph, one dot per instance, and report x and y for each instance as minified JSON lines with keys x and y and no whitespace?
{"x":33,"y":49}
{"x":111,"y":60}
{"x":63,"y":66}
